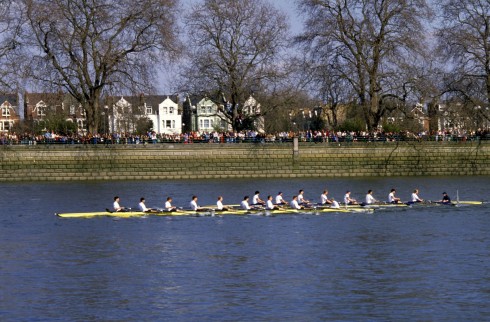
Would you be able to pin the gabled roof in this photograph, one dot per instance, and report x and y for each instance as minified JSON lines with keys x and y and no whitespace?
{"x":140,"y":100}
{"x":47,"y":98}
{"x":12,"y":99}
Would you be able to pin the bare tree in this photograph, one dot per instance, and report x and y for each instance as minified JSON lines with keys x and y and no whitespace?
{"x":235,"y":50}
{"x":464,"y":39}
{"x":367,"y":43}
{"x":9,"y":44}
{"x":88,"y":47}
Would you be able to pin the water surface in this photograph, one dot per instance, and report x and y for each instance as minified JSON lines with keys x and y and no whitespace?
{"x":404,"y":264}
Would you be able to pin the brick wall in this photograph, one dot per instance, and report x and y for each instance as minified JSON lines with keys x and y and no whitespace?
{"x":134,"y":162}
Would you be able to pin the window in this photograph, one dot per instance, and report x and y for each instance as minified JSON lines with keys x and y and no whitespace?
{"x":169,"y":124}
{"x":72,"y":109}
{"x":206,"y":123}
{"x":171,"y":110}
{"x":5,"y":111}
{"x":149,"y":110}
{"x":203,"y":109}
{"x":173,"y":124}
{"x":210,"y":109}
{"x":164,"y":110}
{"x":41,"y":111}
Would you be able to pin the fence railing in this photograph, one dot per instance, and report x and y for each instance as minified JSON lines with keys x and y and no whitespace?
{"x":239,"y":140}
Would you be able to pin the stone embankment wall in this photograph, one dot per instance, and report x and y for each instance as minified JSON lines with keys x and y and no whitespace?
{"x":201,"y":161}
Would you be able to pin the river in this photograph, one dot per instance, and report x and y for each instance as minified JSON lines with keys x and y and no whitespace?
{"x":420,"y":263}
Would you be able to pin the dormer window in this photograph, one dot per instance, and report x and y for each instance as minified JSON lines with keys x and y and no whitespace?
{"x":5,"y":111}
{"x":149,"y":110}
{"x":171,"y":110}
{"x":41,"y":111}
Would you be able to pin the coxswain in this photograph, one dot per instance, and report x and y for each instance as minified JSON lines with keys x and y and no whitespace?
{"x":445,"y":198}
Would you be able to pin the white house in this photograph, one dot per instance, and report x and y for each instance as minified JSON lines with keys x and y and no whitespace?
{"x":163,"y":111}
{"x":166,"y":119}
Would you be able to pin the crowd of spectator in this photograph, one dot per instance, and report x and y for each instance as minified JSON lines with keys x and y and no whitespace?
{"x":241,"y":137}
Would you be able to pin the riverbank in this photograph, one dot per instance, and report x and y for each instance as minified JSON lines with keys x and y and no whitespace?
{"x":206,"y":161}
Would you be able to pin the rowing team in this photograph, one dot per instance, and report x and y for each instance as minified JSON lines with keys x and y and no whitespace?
{"x":298,"y":202}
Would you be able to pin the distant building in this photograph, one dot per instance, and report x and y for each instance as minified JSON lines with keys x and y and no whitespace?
{"x":203,"y":115}
{"x":9,"y":116}
{"x":163,"y":111}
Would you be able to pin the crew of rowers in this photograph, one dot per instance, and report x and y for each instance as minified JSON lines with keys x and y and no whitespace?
{"x":297,"y":202}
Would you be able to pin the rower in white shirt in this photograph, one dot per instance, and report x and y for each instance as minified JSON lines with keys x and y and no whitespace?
{"x":294,"y":203}
{"x":256,"y":201}
{"x":392,"y":198}
{"x":118,"y":207}
{"x":324,"y":198}
{"x":270,"y":205}
{"x":348,"y":200}
{"x":194,"y":206}
{"x":142,"y":207}
{"x":219,"y":204}
{"x":280,"y":200}
{"x":301,"y":198}
{"x":415,"y":196}
{"x":244,"y":204}
{"x":168,"y":205}
{"x":369,"y":198}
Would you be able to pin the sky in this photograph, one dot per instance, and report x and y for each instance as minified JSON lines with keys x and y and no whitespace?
{"x":286,"y":6}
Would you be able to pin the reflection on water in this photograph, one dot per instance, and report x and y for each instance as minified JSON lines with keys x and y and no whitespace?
{"x":401,"y":264}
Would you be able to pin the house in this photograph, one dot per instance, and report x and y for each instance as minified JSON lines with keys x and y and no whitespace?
{"x":251,"y":108}
{"x":39,"y":107}
{"x":420,"y":116}
{"x":161,"y":110}
{"x":9,"y":112}
{"x":203,"y":115}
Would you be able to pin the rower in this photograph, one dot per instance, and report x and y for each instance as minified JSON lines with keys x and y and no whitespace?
{"x":392,"y":198}
{"x":335,"y":204}
{"x":324,"y":198}
{"x":117,"y":207}
{"x":280,"y":200}
{"x":168,"y":205}
{"x":348,"y":200}
{"x":194,"y":206}
{"x":415,"y":196}
{"x":301,"y":198}
{"x":142,"y":207}
{"x":244,"y":204}
{"x":219,"y":204}
{"x":270,"y":205}
{"x":256,"y":201}
{"x":369,"y":198}
{"x":294,"y":203}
